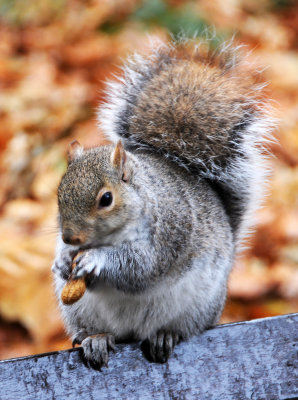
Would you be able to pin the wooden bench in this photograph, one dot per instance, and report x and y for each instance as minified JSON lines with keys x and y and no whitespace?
{"x":247,"y":360}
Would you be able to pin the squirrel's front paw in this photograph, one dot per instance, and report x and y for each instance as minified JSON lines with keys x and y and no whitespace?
{"x":160,"y":346}
{"x":63,"y":263}
{"x":96,"y":349}
{"x":88,"y":262}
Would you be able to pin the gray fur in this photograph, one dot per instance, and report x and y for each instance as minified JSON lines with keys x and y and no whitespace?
{"x":202,"y":109}
{"x":168,"y":271}
{"x":157,"y":263}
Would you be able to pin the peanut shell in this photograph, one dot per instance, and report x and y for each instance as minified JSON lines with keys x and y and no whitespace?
{"x":73,"y":291}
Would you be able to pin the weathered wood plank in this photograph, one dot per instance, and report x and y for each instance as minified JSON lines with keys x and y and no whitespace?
{"x":249,"y":360}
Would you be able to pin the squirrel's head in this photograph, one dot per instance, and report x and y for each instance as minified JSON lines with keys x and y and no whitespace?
{"x":96,"y":196}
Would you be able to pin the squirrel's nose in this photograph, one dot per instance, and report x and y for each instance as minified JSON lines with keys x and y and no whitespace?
{"x":69,"y":238}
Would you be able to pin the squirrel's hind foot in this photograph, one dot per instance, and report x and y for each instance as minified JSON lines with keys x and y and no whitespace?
{"x":96,"y":349}
{"x":159,"y":347}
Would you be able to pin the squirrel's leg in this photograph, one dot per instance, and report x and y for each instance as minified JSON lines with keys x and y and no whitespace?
{"x":159,"y":347}
{"x":96,"y":349}
{"x":131,"y":267}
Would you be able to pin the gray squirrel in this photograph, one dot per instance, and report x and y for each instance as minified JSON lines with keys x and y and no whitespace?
{"x":156,"y":219}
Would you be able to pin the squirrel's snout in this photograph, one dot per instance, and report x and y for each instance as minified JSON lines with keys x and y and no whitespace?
{"x":69,"y":238}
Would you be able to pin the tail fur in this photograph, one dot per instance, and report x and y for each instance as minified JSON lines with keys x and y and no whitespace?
{"x":201,"y":109}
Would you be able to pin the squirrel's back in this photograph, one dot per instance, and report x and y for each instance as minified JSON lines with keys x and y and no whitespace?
{"x":200,"y":108}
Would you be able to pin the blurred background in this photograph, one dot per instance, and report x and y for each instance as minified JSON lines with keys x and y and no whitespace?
{"x":54,"y":58}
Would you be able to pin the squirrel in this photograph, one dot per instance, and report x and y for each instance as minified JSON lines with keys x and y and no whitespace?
{"x":157,"y":218}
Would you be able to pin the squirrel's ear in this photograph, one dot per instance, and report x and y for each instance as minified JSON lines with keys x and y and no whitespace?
{"x":74,"y":150}
{"x":118,"y":159}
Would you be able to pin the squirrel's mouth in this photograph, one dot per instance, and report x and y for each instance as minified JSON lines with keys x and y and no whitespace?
{"x":86,"y":247}
{"x":94,"y":245}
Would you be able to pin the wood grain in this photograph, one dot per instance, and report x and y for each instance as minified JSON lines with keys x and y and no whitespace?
{"x":247,"y":360}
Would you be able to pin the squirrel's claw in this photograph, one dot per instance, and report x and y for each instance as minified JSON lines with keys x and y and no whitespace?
{"x":84,"y":265}
{"x":87,"y":263}
{"x":96,"y":349}
{"x":161,"y":345}
{"x":79,"y":337}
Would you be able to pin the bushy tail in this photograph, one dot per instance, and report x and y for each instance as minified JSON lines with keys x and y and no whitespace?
{"x":201,"y":109}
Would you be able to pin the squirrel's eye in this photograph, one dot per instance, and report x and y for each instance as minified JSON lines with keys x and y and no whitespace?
{"x":106,"y":199}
